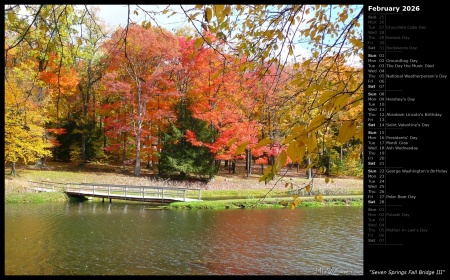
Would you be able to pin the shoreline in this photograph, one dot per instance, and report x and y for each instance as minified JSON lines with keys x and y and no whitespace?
{"x":223,"y":192}
{"x":218,"y":203}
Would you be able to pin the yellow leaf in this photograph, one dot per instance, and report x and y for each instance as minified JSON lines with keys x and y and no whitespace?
{"x":293,"y":21}
{"x":346,"y":131}
{"x":294,"y":196}
{"x":356,"y":42}
{"x":208,"y":14}
{"x":311,"y":142}
{"x":215,"y":75}
{"x":11,"y":16}
{"x":240,"y":149}
{"x":136,"y":12}
{"x":317,"y":39}
{"x":226,"y":11}
{"x":340,"y":101}
{"x":218,"y":9}
{"x":264,"y":142}
{"x":242,"y":67}
{"x":198,"y":6}
{"x":326,"y":96}
{"x":289,"y":138}
{"x":79,"y":41}
{"x":359,"y":134}
{"x":299,"y":128}
{"x":231,"y":142}
{"x":308,"y":188}
{"x":146,"y":24}
{"x":316,"y":122}
{"x":301,"y":152}
{"x":208,"y":40}
{"x":280,"y":161}
{"x":318,"y":198}
{"x":292,"y":206}
{"x":286,"y":185}
{"x":327,"y":180}
{"x":267,"y":170}
{"x":266,"y":173}
{"x":292,"y":151}
{"x":296,"y":150}
{"x":198,"y":43}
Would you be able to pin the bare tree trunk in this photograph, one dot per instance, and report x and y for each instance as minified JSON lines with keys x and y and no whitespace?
{"x":248,"y":162}
{"x":138,"y":133}
{"x":13,"y":169}
{"x":124,"y":151}
{"x":137,"y":166}
{"x":85,"y":120}
{"x":309,"y":171}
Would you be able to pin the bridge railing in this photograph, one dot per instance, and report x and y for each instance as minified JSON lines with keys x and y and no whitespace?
{"x":132,"y":191}
{"x":48,"y":186}
{"x":118,"y":190}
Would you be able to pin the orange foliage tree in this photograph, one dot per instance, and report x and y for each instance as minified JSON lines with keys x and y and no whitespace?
{"x":143,"y":61}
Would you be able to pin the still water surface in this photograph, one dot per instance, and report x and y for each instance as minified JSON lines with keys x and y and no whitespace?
{"x":94,"y":238}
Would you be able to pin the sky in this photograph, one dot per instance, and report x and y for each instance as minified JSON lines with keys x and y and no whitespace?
{"x":116,"y":15}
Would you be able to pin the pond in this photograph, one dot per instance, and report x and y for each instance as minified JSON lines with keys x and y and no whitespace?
{"x":95,"y":238}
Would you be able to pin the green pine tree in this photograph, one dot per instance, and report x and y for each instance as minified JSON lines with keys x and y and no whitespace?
{"x":178,"y":158}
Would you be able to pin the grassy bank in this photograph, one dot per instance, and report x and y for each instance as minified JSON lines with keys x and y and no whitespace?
{"x":35,"y":197}
{"x":225,"y":191}
{"x":349,"y":200}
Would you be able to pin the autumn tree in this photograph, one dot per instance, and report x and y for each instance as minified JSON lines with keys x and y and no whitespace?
{"x":142,"y":59}
{"x":222,"y":100}
{"x":24,"y":123}
{"x":27,"y":54}
{"x":90,"y":67}
{"x":40,"y":36}
{"x":278,"y":82}
{"x":270,"y":33}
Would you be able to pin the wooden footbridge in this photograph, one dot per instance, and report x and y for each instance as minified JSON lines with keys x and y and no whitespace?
{"x":122,"y":192}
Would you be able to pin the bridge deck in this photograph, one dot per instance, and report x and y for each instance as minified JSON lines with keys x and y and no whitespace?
{"x":122,"y":192}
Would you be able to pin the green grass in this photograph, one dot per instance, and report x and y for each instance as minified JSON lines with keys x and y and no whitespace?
{"x":356,"y":200}
{"x":243,"y":194}
{"x":35,"y":197}
{"x":233,"y":191}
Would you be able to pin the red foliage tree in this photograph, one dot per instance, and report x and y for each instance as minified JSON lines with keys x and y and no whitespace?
{"x":144,"y":60}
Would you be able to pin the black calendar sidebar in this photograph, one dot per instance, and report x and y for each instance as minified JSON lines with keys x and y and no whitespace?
{"x":406,"y":153}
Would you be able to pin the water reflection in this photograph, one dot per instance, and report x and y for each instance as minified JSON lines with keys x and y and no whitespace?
{"x":92,"y":238}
